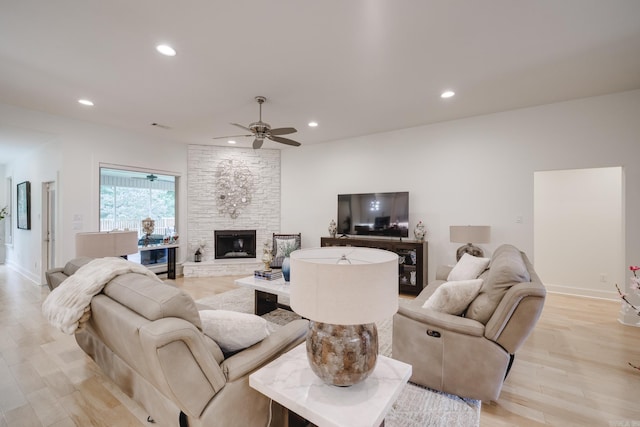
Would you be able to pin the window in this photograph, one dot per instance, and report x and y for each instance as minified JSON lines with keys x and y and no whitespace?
{"x":128,"y":196}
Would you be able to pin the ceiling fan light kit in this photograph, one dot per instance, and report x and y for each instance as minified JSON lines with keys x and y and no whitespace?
{"x":261,"y":130}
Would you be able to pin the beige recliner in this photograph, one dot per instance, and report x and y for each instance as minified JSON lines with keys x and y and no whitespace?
{"x":147,"y":337}
{"x":470,"y":355}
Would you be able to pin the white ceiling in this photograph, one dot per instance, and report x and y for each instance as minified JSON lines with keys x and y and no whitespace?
{"x":357,"y":67}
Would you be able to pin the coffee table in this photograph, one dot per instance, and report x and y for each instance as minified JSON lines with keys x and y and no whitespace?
{"x":266,"y":293}
{"x":290,"y":381}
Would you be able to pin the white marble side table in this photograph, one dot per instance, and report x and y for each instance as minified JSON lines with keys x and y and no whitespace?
{"x":266,"y":293}
{"x":290,"y":381}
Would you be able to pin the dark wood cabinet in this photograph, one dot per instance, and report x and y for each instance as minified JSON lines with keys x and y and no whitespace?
{"x":412,"y":261}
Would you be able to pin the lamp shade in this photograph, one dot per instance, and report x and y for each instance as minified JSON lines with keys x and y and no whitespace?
{"x":344,"y":285}
{"x":469,"y":233}
{"x":104,"y":244}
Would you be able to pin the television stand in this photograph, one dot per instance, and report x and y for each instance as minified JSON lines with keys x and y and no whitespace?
{"x":412,"y":254}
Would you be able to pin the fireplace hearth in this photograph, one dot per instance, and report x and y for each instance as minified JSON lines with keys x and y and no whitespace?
{"x":235,"y":244}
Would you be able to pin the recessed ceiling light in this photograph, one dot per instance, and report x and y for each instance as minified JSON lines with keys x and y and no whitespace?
{"x":231,"y":141}
{"x":85,"y":102}
{"x":166,"y":50}
{"x":447,"y":94}
{"x":313,"y":124}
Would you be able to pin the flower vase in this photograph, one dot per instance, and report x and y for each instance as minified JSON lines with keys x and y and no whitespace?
{"x":286,"y":268}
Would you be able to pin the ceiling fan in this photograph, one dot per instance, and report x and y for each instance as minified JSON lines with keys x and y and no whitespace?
{"x":261,"y":130}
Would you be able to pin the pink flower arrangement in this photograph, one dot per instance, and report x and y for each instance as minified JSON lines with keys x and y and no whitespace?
{"x":635,"y":284}
{"x":635,"y":280}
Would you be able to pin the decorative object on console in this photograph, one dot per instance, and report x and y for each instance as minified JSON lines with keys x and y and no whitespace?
{"x":234,"y":187}
{"x":106,"y":244}
{"x":147,"y":226}
{"x":333,"y":228}
{"x":3,"y":213}
{"x":419,"y":232}
{"x":343,"y":291}
{"x":267,"y":256}
{"x":469,"y":234}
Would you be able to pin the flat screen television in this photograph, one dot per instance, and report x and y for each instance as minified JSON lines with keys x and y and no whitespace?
{"x":374,"y":214}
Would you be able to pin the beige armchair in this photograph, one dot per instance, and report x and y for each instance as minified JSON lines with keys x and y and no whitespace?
{"x":470,"y":356}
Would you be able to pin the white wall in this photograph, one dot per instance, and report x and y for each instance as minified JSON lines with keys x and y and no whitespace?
{"x":471,"y":171}
{"x":578,"y":217}
{"x":72,"y":159}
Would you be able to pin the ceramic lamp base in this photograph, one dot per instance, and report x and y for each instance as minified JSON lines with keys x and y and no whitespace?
{"x":342,"y":355}
{"x":469,"y":249}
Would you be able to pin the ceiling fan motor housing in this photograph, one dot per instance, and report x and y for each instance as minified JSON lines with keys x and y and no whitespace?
{"x":261,"y":129}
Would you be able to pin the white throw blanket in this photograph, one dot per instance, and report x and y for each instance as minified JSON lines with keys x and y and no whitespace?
{"x":69,"y":305}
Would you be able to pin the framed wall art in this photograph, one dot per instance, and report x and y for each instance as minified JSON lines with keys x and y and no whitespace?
{"x":23,"y":205}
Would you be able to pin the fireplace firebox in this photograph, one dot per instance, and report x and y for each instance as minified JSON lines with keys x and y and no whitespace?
{"x":235,"y":244}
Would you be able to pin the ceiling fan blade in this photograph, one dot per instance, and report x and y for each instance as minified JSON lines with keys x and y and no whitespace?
{"x":257,"y":143}
{"x":285,"y":141}
{"x":242,"y":127}
{"x":229,"y":136}
{"x":282,"y":131}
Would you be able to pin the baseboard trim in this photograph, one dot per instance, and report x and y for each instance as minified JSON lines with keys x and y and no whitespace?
{"x":610,"y":295}
{"x":24,"y":273}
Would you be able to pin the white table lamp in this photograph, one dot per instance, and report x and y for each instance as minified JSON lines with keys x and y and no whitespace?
{"x":106,"y":244}
{"x":469,"y":234}
{"x":343,"y":291}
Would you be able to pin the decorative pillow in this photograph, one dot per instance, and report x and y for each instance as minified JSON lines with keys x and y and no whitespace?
{"x":454,"y":297}
{"x":232,"y":330}
{"x":285,"y":246}
{"x":467,"y":268}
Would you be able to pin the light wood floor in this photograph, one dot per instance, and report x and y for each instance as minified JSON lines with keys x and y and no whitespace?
{"x":572,"y":371}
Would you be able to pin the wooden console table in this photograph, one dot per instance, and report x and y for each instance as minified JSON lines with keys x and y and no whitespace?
{"x":412,"y":267}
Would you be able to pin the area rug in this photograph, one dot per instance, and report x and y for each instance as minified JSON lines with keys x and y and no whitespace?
{"x":416,"y":407}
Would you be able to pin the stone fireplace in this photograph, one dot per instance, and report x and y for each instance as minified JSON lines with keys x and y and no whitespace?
{"x":231,"y":244}
{"x":204,"y":215}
